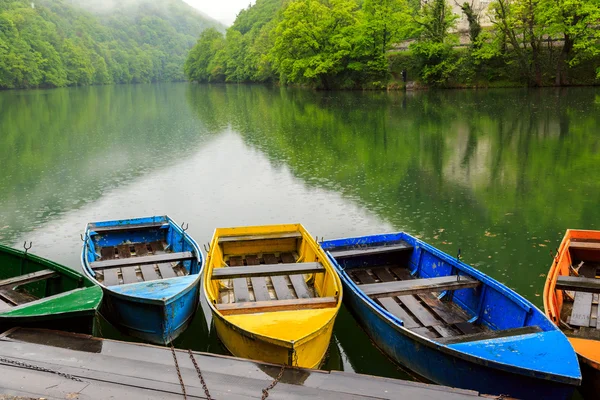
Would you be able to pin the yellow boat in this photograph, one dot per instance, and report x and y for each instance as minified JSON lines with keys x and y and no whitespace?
{"x":273,"y":293}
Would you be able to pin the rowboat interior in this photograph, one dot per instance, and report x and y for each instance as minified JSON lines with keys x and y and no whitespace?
{"x":431,"y":298}
{"x":135,"y":253}
{"x":23,"y":279}
{"x":268,"y":273}
{"x":580,"y":313}
{"x":273,"y":293}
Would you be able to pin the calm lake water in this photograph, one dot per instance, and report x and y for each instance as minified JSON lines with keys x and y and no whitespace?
{"x":499,"y":174}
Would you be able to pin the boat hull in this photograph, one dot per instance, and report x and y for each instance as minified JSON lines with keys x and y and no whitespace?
{"x":157,"y":310}
{"x":155,"y":321}
{"x":442,"y":368}
{"x":308,"y":353}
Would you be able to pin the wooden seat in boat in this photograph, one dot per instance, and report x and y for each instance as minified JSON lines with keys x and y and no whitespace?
{"x":416,"y":286}
{"x":252,"y":280}
{"x":487,"y":335}
{"x":279,"y":235}
{"x":10,"y":297}
{"x":585,"y":311}
{"x":421,"y":311}
{"x":128,"y":227}
{"x":139,"y":262}
{"x":369,"y":251}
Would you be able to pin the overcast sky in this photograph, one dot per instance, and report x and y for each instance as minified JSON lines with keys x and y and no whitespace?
{"x":221,"y":10}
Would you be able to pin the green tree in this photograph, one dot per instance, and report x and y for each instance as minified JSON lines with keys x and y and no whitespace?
{"x":314,"y":42}
{"x":196,"y":66}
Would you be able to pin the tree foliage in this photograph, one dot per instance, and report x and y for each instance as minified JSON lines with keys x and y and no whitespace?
{"x":329,"y":44}
{"x":54,"y":43}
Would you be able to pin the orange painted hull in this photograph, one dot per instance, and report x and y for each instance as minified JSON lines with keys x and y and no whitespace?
{"x":588,"y":350}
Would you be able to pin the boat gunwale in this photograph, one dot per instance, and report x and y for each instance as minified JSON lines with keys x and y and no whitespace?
{"x":330,"y":268}
{"x":397,"y":325}
{"x":127,"y":297}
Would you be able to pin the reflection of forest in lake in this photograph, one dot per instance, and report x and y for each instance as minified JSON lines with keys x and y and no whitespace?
{"x":498,"y":173}
{"x":63,"y":148}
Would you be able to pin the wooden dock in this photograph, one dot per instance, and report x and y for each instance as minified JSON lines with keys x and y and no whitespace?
{"x":52,"y":364}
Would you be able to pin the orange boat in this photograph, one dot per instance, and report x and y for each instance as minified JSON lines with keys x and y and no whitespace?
{"x":571,"y":300}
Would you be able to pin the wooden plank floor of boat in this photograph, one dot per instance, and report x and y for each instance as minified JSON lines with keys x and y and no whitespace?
{"x":137,"y":273}
{"x":107,"y":368}
{"x":281,"y":287}
{"x":422,"y":313}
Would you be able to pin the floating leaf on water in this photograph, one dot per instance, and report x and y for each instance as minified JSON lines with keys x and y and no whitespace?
{"x":542,"y":275}
{"x":537,"y":295}
{"x":541,"y":245}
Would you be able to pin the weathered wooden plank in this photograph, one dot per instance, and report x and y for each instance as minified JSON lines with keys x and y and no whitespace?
{"x":363,"y":276}
{"x":424,"y":331}
{"x":15,"y":297}
{"x":149,"y":273}
{"x":240,"y":290}
{"x":127,"y":227}
{"x":110,"y":277}
{"x":129,"y":275}
{"x":5,"y":305}
{"x":28,"y":278}
{"x":276,"y":305}
{"x":577,"y":283}
{"x":140,"y":249}
{"x":157,"y":246}
{"x":281,"y":287}
{"x":259,"y":284}
{"x":269,"y":258}
{"x":395,"y":309}
{"x":415,"y":286}
{"x":287,"y":258}
{"x":259,"y":287}
{"x":251,"y":259}
{"x":383,"y":274}
{"x":402,"y":273}
{"x":267,"y":270}
{"x":421,"y":313}
{"x":467,"y":328}
{"x":153,"y":259}
{"x":239,"y":238}
{"x":367,"y":251}
{"x":166,"y":271}
{"x":491,"y":335}
{"x":584,"y":245}
{"x":107,"y":253}
{"x":124,"y":251}
{"x":441,"y":309}
{"x":598,"y":318}
{"x":582,"y":309}
{"x":444,"y":331}
{"x":300,"y":286}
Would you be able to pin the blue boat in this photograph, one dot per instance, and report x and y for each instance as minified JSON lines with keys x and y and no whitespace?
{"x":450,"y":323}
{"x":150,"y":271}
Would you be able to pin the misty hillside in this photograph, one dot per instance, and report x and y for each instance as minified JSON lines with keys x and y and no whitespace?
{"x":54,"y":43}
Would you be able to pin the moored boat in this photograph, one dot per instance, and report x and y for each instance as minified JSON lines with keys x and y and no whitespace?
{"x":273,"y":294}
{"x":150,"y":270}
{"x":571,"y":297}
{"x":36,"y":292}
{"x":449,"y":322}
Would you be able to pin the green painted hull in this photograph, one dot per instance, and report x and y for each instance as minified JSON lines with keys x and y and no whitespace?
{"x":67,"y":301}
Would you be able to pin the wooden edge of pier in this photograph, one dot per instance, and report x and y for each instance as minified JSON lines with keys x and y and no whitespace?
{"x":53,"y":364}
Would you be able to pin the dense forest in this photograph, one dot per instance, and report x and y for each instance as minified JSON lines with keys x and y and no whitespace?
{"x":54,"y":43}
{"x":353,"y":44}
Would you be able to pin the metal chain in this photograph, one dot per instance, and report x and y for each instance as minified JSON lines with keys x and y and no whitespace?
{"x":38,"y":368}
{"x":265,"y":391}
{"x":178,"y":372}
{"x":200,"y":375}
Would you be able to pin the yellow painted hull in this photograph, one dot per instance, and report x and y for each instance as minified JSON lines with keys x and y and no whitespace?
{"x":292,"y":337}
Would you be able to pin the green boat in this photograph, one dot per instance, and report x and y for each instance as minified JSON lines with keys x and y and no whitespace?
{"x":35,"y":292}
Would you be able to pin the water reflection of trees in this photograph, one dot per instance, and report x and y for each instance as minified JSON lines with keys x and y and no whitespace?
{"x":516,"y":161}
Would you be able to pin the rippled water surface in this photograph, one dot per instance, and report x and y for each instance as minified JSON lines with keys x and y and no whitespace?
{"x":499,"y":174}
